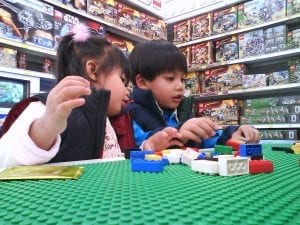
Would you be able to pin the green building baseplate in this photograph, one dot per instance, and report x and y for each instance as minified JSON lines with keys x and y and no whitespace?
{"x":111,"y":194}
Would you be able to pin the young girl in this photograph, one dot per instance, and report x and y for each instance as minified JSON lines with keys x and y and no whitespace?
{"x":71,"y":122}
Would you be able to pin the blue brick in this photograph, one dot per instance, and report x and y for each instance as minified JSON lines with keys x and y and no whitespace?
{"x":250,"y":149}
{"x":141,"y":165}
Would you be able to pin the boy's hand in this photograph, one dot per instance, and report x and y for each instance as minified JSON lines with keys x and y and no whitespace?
{"x":246,"y":133}
{"x":163,"y":139}
{"x":197,"y":129}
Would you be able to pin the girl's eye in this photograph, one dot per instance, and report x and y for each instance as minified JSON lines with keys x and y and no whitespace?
{"x":169,"y":78}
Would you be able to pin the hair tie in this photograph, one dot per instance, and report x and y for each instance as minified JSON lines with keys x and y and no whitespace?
{"x":80,"y":33}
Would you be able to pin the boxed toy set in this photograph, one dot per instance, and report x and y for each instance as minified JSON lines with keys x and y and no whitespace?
{"x":222,"y":112}
{"x":201,"y":26}
{"x":181,"y":32}
{"x":277,"y":78}
{"x":254,"y":80}
{"x":125,"y":45}
{"x":278,"y":134}
{"x":292,"y":7}
{"x":224,"y":20}
{"x":8,"y":57}
{"x":74,"y":4}
{"x":251,"y":43}
{"x":294,"y":70}
{"x":29,"y":21}
{"x":63,"y":24}
{"x":273,"y":101}
{"x":256,"y":12}
{"x":293,"y":38}
{"x":227,"y":49}
{"x":192,"y":83}
{"x":275,"y":39}
{"x":209,"y":82}
{"x":202,"y":54}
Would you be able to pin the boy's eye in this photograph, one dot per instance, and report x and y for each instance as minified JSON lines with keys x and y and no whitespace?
{"x":169,"y":78}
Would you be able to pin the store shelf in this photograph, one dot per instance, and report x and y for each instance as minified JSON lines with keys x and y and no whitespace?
{"x":111,"y":27}
{"x":280,"y":90}
{"x":276,"y":126}
{"x":270,"y":57}
{"x":27,"y":47}
{"x":17,"y":71}
{"x":289,"y":19}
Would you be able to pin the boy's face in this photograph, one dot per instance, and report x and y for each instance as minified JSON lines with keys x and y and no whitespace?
{"x":168,"y":89}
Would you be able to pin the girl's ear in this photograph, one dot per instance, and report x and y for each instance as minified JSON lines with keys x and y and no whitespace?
{"x":91,"y":69}
{"x":141,"y":82}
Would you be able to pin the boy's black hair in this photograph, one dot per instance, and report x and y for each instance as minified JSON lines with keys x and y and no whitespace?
{"x":151,"y":58}
{"x":72,"y":56}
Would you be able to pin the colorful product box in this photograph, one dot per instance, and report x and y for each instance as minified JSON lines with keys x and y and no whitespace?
{"x":270,"y":110}
{"x":125,"y":16}
{"x":277,"y":134}
{"x":63,"y":24}
{"x":275,"y":39}
{"x":251,"y":44}
{"x":96,"y":7}
{"x":294,"y":70}
{"x":277,"y":78}
{"x":8,"y":57}
{"x":201,"y":26}
{"x":256,"y":12}
{"x":222,"y":112}
{"x":254,"y":80}
{"x":186,"y":50}
{"x":274,"y":101}
{"x":201,"y":54}
{"x":225,"y":20}
{"x":192,"y":83}
{"x":181,"y":32}
{"x":29,"y":21}
{"x":292,"y":7}
{"x":293,"y":38}
{"x":125,"y":45}
{"x":74,"y":4}
{"x":227,"y":49}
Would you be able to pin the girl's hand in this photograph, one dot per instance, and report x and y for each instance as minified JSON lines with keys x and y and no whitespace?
{"x":62,"y":99}
{"x":197,"y":129}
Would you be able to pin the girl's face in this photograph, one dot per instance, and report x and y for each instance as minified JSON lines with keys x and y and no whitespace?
{"x":168,"y":89}
{"x":115,"y":82}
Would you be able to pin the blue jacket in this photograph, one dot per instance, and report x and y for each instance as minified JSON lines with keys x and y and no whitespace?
{"x":148,"y":118}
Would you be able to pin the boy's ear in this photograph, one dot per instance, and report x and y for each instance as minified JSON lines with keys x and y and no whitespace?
{"x":141,"y":82}
{"x":91,"y":69}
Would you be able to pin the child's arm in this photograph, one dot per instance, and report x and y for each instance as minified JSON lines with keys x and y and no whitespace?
{"x":62,"y":99}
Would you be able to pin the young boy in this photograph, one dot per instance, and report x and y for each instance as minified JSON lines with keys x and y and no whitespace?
{"x":158,"y":73}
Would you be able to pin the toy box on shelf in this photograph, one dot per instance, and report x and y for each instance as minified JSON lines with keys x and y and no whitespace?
{"x":63,"y":24}
{"x":125,"y":45}
{"x":251,"y":43}
{"x":181,"y":32}
{"x":227,"y":49}
{"x":277,"y":78}
{"x":222,"y":112}
{"x":28,"y":21}
{"x":275,"y":39}
{"x":75,"y":4}
{"x":254,"y":80}
{"x":192,"y":83}
{"x":186,"y":50}
{"x":201,"y":26}
{"x":278,"y":134}
{"x":125,"y":16}
{"x":201,"y":54}
{"x":256,"y":12}
{"x":293,"y":38}
{"x":292,"y":7}
{"x":294,"y":70}
{"x":8,"y":57}
{"x":224,"y":20}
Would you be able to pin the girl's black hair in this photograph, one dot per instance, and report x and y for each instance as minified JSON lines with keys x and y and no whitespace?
{"x":72,"y":56}
{"x":151,"y":58}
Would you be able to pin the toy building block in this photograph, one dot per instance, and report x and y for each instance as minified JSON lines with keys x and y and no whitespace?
{"x":141,"y":165}
{"x":260,"y":166}
{"x":205,"y":166}
{"x":188,"y":156}
{"x":173,"y":155}
{"x":222,"y":149}
{"x":139,"y":154}
{"x":235,"y":144}
{"x":296,"y":147}
{"x":250,"y":150}
{"x":233,"y":166}
{"x":153,"y":157}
